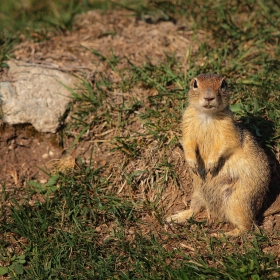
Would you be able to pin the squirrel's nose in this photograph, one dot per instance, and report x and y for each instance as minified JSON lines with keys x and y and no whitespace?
{"x":209,"y":98}
{"x":209,"y":95}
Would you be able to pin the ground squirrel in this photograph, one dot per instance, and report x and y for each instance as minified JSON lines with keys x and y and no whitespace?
{"x":230,"y":170}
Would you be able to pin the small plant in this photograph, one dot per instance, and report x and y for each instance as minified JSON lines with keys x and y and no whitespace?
{"x":14,"y":265}
{"x":48,"y":187}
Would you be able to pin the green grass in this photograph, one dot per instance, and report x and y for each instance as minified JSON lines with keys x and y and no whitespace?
{"x":82,"y":231}
{"x":89,"y":223}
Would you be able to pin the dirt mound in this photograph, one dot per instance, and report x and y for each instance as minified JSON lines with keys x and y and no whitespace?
{"x":116,"y":33}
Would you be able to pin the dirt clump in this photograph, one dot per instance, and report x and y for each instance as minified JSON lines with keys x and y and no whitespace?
{"x":24,"y":151}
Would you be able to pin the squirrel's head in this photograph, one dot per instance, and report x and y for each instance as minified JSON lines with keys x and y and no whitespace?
{"x":209,"y":93}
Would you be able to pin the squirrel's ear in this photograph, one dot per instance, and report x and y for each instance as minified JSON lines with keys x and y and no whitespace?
{"x":193,"y":83}
{"x":224,"y":84}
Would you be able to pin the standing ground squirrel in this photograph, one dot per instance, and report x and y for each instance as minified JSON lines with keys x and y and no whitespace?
{"x":230,"y":170}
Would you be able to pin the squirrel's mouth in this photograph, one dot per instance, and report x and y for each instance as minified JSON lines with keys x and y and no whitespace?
{"x":208,"y":106}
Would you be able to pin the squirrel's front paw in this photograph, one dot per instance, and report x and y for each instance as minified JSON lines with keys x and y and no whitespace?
{"x":211,"y":166}
{"x":192,"y":163}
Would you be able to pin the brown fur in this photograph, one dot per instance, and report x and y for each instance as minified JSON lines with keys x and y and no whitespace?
{"x":230,"y":171}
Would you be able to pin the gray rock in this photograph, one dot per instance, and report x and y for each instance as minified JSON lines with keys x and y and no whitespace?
{"x":35,"y":95}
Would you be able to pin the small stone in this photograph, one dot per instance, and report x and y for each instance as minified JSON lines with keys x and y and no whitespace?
{"x":98,"y":229}
{"x":31,"y":202}
{"x":25,"y":142}
{"x":45,"y":156}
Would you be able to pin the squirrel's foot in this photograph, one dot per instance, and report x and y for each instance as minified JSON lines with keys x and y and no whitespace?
{"x":232,"y":233}
{"x":180,"y":217}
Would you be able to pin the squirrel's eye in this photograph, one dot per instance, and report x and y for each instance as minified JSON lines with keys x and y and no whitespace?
{"x":224,"y":85}
{"x":195,"y":84}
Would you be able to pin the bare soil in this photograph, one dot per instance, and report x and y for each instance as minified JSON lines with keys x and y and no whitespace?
{"x":26,"y":153}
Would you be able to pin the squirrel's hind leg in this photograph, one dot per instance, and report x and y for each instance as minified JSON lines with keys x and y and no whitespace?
{"x":183,"y":216}
{"x":232,"y":233}
{"x":238,"y":214}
